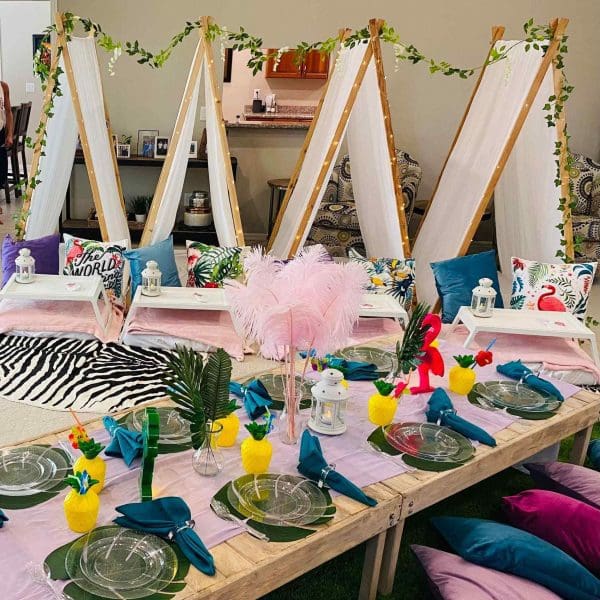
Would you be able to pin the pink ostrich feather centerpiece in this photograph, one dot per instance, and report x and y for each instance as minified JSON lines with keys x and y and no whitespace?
{"x":307,"y":303}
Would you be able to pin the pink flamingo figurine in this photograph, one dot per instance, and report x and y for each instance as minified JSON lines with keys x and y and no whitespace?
{"x":432,"y":361}
{"x":548,"y":301}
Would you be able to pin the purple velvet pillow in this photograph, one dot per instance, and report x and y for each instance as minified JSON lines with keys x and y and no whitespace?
{"x":44,"y":250}
{"x":571,"y":480}
{"x":569,"y":524}
{"x":453,"y":578}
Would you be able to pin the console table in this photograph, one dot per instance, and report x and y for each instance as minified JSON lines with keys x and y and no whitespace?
{"x":181,"y":233}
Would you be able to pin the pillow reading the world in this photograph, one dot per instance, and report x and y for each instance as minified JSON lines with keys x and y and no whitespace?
{"x":393,"y":276}
{"x":88,"y":257}
{"x":209,"y":266}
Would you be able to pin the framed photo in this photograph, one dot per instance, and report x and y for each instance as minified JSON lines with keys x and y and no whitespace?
{"x":227,"y":65}
{"x":145,"y":142}
{"x":42,"y":45}
{"x":193,"y":149}
{"x":123,"y":150}
{"x":161,"y":146}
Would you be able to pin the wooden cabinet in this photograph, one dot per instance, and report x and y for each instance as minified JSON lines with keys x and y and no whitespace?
{"x":314,"y":66}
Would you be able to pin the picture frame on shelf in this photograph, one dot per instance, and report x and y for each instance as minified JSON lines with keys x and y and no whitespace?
{"x":161,"y":146}
{"x":193,"y":149}
{"x":123,"y":150}
{"x":145,"y":142}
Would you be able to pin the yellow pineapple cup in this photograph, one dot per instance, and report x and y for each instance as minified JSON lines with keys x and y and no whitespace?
{"x":91,"y":462}
{"x":461,"y":377}
{"x":81,"y":504}
{"x":229,"y":433}
{"x":382,"y":405}
{"x":257,"y":450}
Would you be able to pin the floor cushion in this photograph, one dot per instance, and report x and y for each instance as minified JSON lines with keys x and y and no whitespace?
{"x":451,"y":577}
{"x":546,"y":286}
{"x":209,"y":265}
{"x":511,"y":550}
{"x":568,"y":524}
{"x":578,"y":482}
{"x":455,"y":279}
{"x":44,"y":250}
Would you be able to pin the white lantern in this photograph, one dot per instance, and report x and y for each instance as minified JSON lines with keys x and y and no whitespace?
{"x":25,"y":266}
{"x":484,"y":297}
{"x":151,"y":277}
{"x":329,"y":400}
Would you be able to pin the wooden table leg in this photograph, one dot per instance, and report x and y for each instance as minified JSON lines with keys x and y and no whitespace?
{"x":390,"y":558}
{"x":372,"y":567}
{"x":580,"y":445}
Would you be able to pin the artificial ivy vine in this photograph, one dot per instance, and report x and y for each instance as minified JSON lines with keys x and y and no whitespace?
{"x":537,"y":37}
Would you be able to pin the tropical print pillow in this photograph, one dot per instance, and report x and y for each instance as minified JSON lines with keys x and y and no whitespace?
{"x":545,"y":286}
{"x":392,"y":276}
{"x":88,"y":257}
{"x":209,"y":265}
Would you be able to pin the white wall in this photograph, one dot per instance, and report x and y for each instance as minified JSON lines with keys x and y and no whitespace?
{"x":425,"y":109}
{"x":19,"y":20}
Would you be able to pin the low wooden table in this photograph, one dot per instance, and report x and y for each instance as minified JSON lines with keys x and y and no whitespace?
{"x":63,"y":288}
{"x":421,"y":489}
{"x":382,"y":305}
{"x":527,"y":322}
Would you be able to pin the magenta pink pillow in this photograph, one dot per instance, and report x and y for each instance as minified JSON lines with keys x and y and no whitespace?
{"x":571,"y":480}
{"x":453,"y":578}
{"x":569,"y":524}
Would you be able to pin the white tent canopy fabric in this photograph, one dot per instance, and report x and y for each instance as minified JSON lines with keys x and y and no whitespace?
{"x":488,"y":132}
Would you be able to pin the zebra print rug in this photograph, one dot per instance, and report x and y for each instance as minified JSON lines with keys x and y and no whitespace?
{"x":84,"y":375}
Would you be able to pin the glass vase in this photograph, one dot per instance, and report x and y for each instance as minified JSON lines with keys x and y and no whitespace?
{"x":208,"y":460}
{"x":291,"y":421}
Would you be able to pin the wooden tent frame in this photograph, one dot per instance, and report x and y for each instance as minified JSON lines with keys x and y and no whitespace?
{"x":549,"y":61}
{"x":61,"y":42}
{"x":373,"y":52}
{"x":204,"y":55}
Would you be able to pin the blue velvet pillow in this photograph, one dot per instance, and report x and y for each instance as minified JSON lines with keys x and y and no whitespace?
{"x":594,"y":453}
{"x":511,"y":550}
{"x":163,"y":254}
{"x":455,"y":279}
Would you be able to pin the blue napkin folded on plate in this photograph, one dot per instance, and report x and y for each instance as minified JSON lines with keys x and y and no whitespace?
{"x":515,"y":369}
{"x":255,"y":397}
{"x":124,"y":443}
{"x":440,"y":409}
{"x":312,"y":464}
{"x":168,"y":518}
{"x":354,"y":370}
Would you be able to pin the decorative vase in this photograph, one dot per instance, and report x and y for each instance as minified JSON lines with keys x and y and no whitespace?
{"x":81,"y":510}
{"x":256,"y":455}
{"x":231,"y":428}
{"x":207,"y":460}
{"x":291,"y":421}
{"x":461,"y":380}
{"x":96,"y":468}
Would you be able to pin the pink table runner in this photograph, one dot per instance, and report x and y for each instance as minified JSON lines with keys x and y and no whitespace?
{"x":31,"y":534}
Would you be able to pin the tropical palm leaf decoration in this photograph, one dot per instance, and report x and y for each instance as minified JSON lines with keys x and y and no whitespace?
{"x":201,"y":391}
{"x":409,"y":353}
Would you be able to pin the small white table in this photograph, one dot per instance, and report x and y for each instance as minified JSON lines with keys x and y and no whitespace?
{"x":63,"y":288}
{"x":382,"y":305}
{"x":527,"y":322}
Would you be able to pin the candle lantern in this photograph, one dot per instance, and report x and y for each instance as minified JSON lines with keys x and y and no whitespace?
{"x":484,"y":297}
{"x":329,"y":400}
{"x":25,"y":266}
{"x":151,"y":277}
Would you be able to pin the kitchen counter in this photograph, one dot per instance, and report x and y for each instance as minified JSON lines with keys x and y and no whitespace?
{"x":275,"y":124}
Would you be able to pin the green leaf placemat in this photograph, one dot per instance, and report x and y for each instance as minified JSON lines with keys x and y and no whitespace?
{"x":55,"y":563}
{"x":20,"y":502}
{"x":278,"y":533}
{"x":378,"y":439}
{"x":523,"y":414}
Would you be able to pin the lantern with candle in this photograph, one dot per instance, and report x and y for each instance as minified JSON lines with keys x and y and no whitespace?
{"x":329,"y":401}
{"x":25,"y":266}
{"x":151,"y":277}
{"x":483,"y":299}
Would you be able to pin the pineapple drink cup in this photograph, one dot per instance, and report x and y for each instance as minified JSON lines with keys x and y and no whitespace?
{"x":81,"y":504}
{"x":257,"y":450}
{"x":383,"y":404}
{"x":462,"y":376}
{"x":90,"y":462}
{"x":231,"y":428}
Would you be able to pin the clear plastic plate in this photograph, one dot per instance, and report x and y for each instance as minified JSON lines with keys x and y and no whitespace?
{"x":515,"y":395}
{"x":382,"y":359}
{"x":275,"y":383}
{"x":173,"y":428}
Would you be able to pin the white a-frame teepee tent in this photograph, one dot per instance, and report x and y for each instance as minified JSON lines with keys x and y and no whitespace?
{"x":355,"y":102}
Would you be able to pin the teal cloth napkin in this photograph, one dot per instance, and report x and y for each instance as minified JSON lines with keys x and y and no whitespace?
{"x":168,"y":518}
{"x":515,"y":369}
{"x":255,"y":397}
{"x":440,"y":409}
{"x":313,"y":465}
{"x":124,"y":443}
{"x":354,"y":370}
{"x":594,"y":453}
{"x":3,"y":518}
